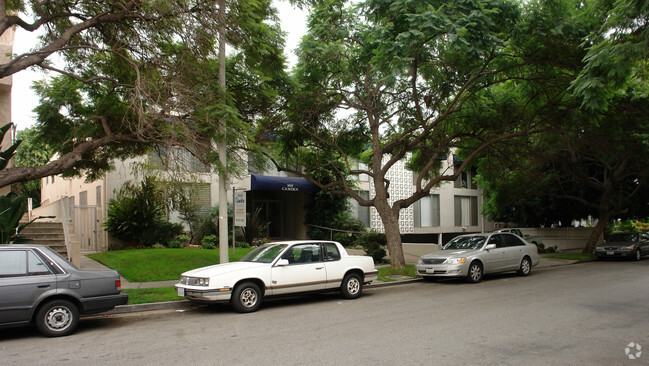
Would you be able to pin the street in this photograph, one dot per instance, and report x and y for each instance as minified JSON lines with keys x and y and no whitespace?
{"x":582,"y":314}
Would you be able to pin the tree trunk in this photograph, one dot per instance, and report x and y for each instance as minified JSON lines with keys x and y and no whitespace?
{"x":390,"y":222}
{"x":604,"y":216}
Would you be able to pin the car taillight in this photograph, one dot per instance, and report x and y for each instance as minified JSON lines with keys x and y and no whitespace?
{"x":118,"y":284}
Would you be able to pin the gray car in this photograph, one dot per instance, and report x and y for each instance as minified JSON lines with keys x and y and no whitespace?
{"x":474,"y":255}
{"x":38,"y":286}
{"x":624,"y":245}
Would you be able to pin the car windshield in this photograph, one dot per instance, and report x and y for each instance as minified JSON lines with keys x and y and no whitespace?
{"x":465,"y":242}
{"x":623,"y":237}
{"x":264,"y":254}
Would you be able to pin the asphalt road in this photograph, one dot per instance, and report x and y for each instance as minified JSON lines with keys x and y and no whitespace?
{"x":584,"y":314}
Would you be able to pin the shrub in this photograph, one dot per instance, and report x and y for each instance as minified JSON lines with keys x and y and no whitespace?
{"x":174,"y":244}
{"x":346,"y":239}
{"x":136,"y":215}
{"x":158,"y":246}
{"x":373,"y":244}
{"x":208,"y":242}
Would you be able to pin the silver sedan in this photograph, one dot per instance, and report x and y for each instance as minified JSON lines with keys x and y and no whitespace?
{"x":474,"y":255}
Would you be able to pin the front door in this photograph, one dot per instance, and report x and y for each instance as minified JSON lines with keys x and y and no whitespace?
{"x":23,"y":279}
{"x":305,"y":270}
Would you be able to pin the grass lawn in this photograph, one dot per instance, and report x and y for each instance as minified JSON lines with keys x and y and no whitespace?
{"x":572,"y":256}
{"x":385,"y":272}
{"x":147,"y":295}
{"x":145,"y":265}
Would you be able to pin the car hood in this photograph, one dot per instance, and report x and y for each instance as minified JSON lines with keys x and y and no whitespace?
{"x":450,"y":253}
{"x":219,"y":269}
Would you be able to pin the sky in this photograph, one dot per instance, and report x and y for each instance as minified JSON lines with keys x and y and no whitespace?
{"x":24,"y":99}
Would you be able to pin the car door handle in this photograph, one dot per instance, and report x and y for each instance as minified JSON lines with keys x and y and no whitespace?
{"x":43,"y":286}
{"x":317,"y":268}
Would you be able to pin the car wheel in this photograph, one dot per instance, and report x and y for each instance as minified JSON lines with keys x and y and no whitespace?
{"x":246,"y":297}
{"x":526,"y":267}
{"x":352,"y":286}
{"x":475,"y":272}
{"x":638,"y":255}
{"x":57,"y":318}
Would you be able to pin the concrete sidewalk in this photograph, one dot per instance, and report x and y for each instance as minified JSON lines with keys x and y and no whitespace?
{"x":89,"y":264}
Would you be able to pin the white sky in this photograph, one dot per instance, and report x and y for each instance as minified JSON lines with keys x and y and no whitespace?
{"x":24,"y":99}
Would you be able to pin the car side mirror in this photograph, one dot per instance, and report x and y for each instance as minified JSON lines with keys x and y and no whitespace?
{"x":490,"y":246}
{"x":282,"y":263}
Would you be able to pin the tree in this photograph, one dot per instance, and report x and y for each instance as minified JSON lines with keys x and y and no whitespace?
{"x":387,"y":80}
{"x":591,"y":163}
{"x":31,"y":152}
{"x":120,"y":89}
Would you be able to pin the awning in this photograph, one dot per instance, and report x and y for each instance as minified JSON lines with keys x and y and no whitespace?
{"x":286,"y":184}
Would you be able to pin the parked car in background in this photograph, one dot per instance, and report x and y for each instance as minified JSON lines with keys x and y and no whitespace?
{"x":536,"y":240}
{"x":279,"y":268}
{"x":38,"y":286}
{"x":624,"y":245}
{"x":474,"y":255}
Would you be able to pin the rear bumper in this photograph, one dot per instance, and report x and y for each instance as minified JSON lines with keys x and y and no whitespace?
{"x":371,"y":276}
{"x":103,"y":303}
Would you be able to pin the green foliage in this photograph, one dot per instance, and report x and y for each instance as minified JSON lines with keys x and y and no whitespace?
{"x":137,"y":215}
{"x":12,"y":209}
{"x":208,"y":242}
{"x":31,"y":152}
{"x":373,"y":244}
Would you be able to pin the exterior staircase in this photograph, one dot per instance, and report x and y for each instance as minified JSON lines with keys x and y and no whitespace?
{"x":46,"y":233}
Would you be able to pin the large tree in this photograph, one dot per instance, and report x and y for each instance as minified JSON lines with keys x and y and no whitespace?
{"x":125,"y":70}
{"x":382,"y":81}
{"x":592,"y":162}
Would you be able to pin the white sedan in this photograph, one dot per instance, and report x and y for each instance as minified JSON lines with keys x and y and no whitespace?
{"x":277,"y":269}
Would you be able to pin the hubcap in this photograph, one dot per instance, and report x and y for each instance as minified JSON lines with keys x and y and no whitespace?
{"x":353,"y":285}
{"x":475,"y":272}
{"x":248,"y":297}
{"x":526,"y":266}
{"x":58,"y":318}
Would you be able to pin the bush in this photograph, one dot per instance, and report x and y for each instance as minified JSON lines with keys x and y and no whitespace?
{"x":158,"y":246}
{"x":373,"y":244}
{"x":542,"y":249}
{"x":136,"y":215}
{"x":346,"y":239}
{"x":208,"y":242}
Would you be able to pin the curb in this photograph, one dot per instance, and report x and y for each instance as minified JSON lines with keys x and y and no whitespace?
{"x":185,"y":304}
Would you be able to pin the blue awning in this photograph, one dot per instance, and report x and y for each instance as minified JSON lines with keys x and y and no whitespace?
{"x":286,"y":184}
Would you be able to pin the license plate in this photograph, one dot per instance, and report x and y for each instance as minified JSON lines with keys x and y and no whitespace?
{"x":610,"y":253}
{"x":430,"y":270}
{"x":181,"y":291}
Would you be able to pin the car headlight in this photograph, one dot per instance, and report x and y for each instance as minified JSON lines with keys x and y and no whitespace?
{"x":195,"y":281}
{"x":455,"y":261}
{"x":421,"y":261}
{"x":630,"y":247}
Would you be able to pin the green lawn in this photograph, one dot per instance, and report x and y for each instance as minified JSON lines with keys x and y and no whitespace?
{"x":147,"y":295}
{"x":145,"y":265}
{"x":385,"y":272}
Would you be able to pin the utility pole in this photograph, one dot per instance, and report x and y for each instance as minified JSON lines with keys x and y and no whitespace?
{"x":223,"y":193}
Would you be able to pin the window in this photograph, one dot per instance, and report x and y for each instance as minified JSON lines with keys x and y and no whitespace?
{"x":83,"y":198}
{"x":427,"y":211}
{"x":331,"y":252}
{"x":498,"y":240}
{"x":303,"y":253}
{"x":512,"y":241}
{"x":13,"y":263}
{"x":21,"y":263}
{"x":465,"y":179}
{"x":466,"y":211}
{"x":362,"y":212}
